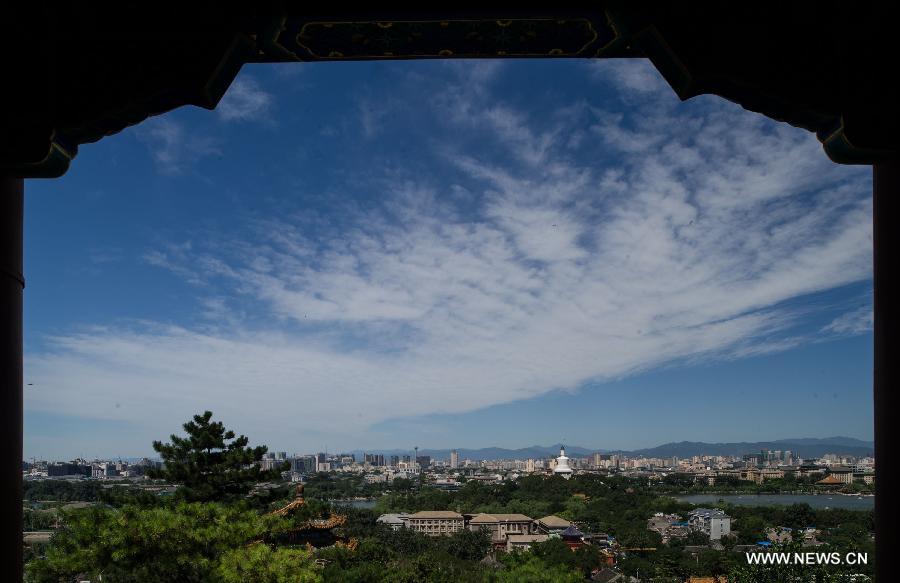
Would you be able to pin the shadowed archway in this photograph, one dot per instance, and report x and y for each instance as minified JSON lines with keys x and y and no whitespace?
{"x":78,"y":74}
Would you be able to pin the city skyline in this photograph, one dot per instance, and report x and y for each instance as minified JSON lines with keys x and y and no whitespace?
{"x":538,"y":255}
{"x":800,"y":446}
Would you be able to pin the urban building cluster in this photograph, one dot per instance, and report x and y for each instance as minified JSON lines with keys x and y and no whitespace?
{"x":508,"y":532}
{"x":757,"y":467}
{"x":830,"y":470}
{"x":80,"y":468}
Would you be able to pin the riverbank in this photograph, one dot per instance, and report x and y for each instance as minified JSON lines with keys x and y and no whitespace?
{"x":367,"y":503}
{"x":763,"y":493}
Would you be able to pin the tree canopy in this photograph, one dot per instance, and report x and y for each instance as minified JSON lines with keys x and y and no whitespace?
{"x":211,"y":464}
{"x":184,"y":542}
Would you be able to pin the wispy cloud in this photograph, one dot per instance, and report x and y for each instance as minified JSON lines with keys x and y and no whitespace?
{"x":245,"y":101}
{"x":175,"y":258}
{"x":101,"y":255}
{"x":682,"y":242}
{"x":173,"y":149}
{"x":372,"y":115}
{"x":851,"y":323}
{"x":629,"y":75}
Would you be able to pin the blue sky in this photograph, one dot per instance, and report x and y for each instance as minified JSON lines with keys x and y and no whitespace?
{"x":449,"y":254}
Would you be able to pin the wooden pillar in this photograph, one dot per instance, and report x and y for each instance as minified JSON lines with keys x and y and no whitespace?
{"x":11,"y":285}
{"x":886,"y":216}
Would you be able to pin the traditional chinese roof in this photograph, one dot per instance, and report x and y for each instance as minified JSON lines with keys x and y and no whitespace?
{"x":294,"y":504}
{"x":572,"y":532}
{"x":554,"y":522}
{"x":829,"y":481}
{"x":435,"y":514}
{"x":333,"y":520}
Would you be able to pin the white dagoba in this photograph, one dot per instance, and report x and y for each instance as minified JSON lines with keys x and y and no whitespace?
{"x":562,"y":464}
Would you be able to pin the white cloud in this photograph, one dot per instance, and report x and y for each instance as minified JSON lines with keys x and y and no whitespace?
{"x":101,"y":255}
{"x":372,"y":115}
{"x":567,"y":272}
{"x":244,"y":101}
{"x":852,"y":323}
{"x":630,"y":75}
{"x":173,"y":149}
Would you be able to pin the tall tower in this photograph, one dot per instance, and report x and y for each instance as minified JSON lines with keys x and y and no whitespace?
{"x":454,"y":459}
{"x":416,"y":460}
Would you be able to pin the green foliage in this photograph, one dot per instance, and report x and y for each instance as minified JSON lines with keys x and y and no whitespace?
{"x":183,"y":543}
{"x":62,"y":490}
{"x":751,"y":529}
{"x":553,"y":552}
{"x":38,"y":519}
{"x":117,"y":496}
{"x":466,"y":545}
{"x":213,"y":531}
{"x":695,"y":537}
{"x":528,"y":568}
{"x":73,"y":549}
{"x":687,"y":484}
{"x":792,"y":572}
{"x":323,"y":486}
{"x":261,"y":563}
{"x":620,"y":507}
{"x":728,"y":541}
{"x":211,"y":463}
{"x":114,"y":493}
{"x":798,"y":516}
{"x":406,"y":555}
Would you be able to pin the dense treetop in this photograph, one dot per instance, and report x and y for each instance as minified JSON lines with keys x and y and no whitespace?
{"x":211,"y":463}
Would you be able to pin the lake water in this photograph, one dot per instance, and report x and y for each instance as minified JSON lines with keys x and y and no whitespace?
{"x":367,"y":504}
{"x":819,"y":501}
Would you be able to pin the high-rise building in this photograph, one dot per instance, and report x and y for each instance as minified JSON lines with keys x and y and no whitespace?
{"x":68,"y":469}
{"x":454,"y":459}
{"x":395,"y":461}
{"x":376,"y":459}
{"x":303,"y":464}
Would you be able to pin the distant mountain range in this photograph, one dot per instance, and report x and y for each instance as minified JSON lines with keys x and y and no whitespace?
{"x":807,"y":447}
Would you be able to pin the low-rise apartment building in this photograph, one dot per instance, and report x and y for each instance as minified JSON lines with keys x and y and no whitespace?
{"x":501,"y":525}
{"x":712,"y":522}
{"x":436,"y":522}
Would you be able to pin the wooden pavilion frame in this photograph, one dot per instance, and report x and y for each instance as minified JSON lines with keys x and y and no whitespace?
{"x":76,"y":72}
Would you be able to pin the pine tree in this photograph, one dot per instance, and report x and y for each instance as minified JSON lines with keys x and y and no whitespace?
{"x":211,"y":463}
